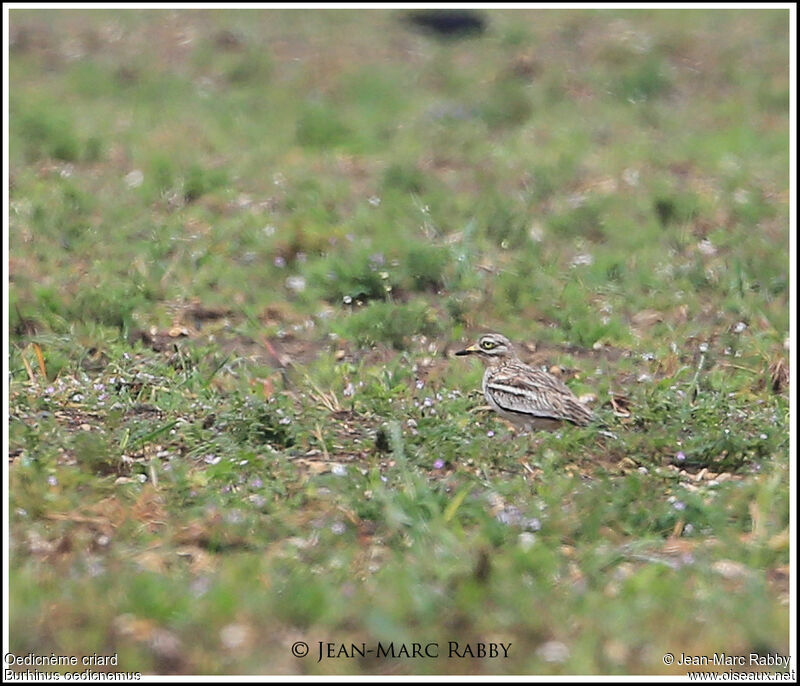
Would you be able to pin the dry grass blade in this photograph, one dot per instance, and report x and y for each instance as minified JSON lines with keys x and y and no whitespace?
{"x":327,"y":399}
{"x":779,"y":374}
{"x":282,"y":360}
{"x":318,"y":435}
{"x":28,"y":369}
{"x":620,"y":405}
{"x":40,"y":358}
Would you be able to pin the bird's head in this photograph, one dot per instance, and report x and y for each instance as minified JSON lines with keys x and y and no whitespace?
{"x":491,"y":348}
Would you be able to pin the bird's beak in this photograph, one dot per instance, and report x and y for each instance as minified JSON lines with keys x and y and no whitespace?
{"x":468,"y":350}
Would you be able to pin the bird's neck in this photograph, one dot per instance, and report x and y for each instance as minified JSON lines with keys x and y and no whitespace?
{"x":494,"y":362}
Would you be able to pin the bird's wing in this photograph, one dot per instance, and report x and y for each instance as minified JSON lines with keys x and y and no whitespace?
{"x":530,"y":391}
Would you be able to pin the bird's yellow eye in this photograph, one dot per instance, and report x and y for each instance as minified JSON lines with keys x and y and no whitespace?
{"x":488,"y":345}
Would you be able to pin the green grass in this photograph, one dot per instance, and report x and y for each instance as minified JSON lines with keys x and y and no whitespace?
{"x":243,"y":250}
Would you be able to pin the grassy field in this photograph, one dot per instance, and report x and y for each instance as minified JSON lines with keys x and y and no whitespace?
{"x":243,"y":247}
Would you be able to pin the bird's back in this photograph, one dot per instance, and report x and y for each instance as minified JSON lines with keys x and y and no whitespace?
{"x":532,"y":396}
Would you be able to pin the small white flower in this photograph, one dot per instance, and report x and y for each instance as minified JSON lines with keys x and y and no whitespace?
{"x":707,"y":247}
{"x":234,"y":636}
{"x":553,"y":651}
{"x":134,"y":179}
{"x":581,"y":259}
{"x":296,"y":284}
{"x":631,"y":176}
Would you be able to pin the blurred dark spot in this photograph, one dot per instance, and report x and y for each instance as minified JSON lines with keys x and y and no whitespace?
{"x":202,"y":313}
{"x":146,"y":408}
{"x":91,"y":40}
{"x":29,"y":38}
{"x":665,"y":211}
{"x":525,"y":66}
{"x":228,"y":40}
{"x":483,"y":567}
{"x":779,"y":375}
{"x":95,"y":360}
{"x":23,"y":326}
{"x":382,"y":441}
{"x":127,"y":75}
{"x":448,"y":23}
{"x":64,"y":545}
{"x":159,"y":342}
